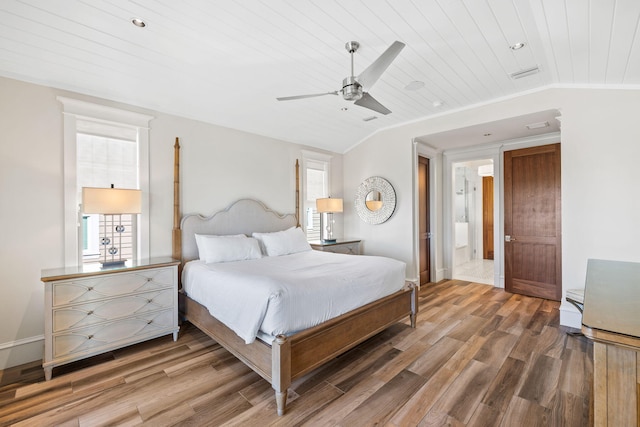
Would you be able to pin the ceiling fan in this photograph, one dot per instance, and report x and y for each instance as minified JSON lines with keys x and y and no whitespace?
{"x":353,"y":86}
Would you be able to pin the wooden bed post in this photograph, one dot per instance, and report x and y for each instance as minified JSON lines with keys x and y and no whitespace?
{"x":177,"y":233}
{"x":414,"y":304}
{"x":281,"y":370}
{"x":297,"y":193}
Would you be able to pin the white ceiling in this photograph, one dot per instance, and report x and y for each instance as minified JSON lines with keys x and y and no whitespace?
{"x":225,"y":62}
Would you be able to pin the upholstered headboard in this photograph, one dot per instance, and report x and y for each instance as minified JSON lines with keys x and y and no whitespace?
{"x":244,"y":216}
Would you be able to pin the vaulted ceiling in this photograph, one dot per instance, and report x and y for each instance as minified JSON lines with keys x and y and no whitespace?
{"x":225,"y":62}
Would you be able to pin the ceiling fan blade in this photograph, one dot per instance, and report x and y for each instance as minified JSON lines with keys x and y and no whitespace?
{"x":290,"y":98}
{"x":373,"y":72}
{"x":368,"y":101}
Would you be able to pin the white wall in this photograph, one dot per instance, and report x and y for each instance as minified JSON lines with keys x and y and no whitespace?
{"x":390,"y":159}
{"x":600,"y":197}
{"x":219,"y":165}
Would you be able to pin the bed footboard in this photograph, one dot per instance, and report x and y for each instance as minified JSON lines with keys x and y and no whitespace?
{"x":313,"y":347}
{"x":295,"y":356}
{"x":291,"y":357}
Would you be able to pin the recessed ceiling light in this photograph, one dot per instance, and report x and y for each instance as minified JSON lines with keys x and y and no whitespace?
{"x":414,"y":85}
{"x":344,"y":108}
{"x":368,"y":119}
{"x":517,"y":46}
{"x":138,"y":22}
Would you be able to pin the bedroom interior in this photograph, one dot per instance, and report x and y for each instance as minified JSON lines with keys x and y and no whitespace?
{"x":451,"y":100}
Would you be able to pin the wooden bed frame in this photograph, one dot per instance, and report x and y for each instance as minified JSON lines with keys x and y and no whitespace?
{"x":288,"y":357}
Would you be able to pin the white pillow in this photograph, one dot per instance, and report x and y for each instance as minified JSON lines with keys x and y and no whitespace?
{"x":284,"y":242}
{"x":239,"y":247}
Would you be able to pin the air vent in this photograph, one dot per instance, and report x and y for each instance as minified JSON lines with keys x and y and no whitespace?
{"x":414,"y":85}
{"x":368,"y":119}
{"x":524,"y":73}
{"x":538,"y":125}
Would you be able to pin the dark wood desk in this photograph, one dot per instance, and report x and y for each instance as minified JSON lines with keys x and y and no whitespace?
{"x":611,"y":318}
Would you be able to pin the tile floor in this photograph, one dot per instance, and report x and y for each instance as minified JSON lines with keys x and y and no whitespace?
{"x":477,"y":270}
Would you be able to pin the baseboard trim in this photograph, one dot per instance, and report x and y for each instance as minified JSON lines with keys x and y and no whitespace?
{"x":23,"y":341}
{"x":570,"y":316}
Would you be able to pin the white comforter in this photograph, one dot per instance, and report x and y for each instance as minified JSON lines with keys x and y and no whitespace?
{"x":286,"y":294}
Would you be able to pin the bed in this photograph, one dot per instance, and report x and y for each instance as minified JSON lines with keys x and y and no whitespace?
{"x":282,"y":357}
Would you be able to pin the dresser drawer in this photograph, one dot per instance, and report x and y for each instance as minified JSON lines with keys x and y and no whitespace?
{"x":113,"y":334}
{"x":86,"y":314}
{"x":100,"y":287}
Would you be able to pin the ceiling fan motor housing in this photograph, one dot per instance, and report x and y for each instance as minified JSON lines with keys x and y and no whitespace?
{"x":351,"y":89}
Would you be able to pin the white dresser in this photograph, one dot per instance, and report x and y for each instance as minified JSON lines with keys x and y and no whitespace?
{"x":89,"y":310}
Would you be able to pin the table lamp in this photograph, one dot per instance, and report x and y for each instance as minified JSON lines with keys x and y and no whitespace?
{"x":326,"y":208}
{"x":112,"y":203}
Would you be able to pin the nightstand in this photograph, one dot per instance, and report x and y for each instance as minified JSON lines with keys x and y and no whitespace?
{"x":90,"y":310}
{"x":341,"y":246}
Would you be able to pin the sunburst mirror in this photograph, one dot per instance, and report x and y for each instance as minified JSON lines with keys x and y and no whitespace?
{"x":375,"y":200}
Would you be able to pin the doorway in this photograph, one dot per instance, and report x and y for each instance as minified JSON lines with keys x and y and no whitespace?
{"x":473,"y":221}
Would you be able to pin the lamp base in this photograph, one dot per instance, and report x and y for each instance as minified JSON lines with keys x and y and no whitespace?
{"x":111,"y":264}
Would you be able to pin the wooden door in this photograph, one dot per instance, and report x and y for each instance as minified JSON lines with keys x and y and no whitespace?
{"x":425,"y":235}
{"x":487,"y":217}
{"x":532,"y":225}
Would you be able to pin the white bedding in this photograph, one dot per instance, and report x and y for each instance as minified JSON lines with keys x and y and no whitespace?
{"x":289,"y":293}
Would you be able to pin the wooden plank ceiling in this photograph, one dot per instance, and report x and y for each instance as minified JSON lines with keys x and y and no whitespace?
{"x":225,"y":62}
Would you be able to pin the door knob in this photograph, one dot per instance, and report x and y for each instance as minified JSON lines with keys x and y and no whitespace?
{"x":508,"y":238}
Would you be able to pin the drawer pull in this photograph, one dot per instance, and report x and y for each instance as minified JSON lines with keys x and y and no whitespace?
{"x":149,"y":279}
{"x":89,"y":337}
{"x":149,"y":322}
{"x":89,"y":313}
{"x":90,"y":288}
{"x":149,"y":301}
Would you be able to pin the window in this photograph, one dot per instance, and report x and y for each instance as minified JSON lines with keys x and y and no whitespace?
{"x":315,"y":184}
{"x":103,"y":146}
{"x":106,"y":155}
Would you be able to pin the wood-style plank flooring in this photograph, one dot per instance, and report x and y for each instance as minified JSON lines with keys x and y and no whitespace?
{"x":478,"y":357}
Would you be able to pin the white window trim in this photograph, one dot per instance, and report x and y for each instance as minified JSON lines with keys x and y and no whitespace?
{"x":318,"y":157}
{"x":74,"y":109}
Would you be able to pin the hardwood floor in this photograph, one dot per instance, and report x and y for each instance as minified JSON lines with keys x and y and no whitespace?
{"x":479,"y":357}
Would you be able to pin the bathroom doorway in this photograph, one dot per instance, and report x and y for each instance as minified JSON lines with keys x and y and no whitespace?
{"x":473,"y":221}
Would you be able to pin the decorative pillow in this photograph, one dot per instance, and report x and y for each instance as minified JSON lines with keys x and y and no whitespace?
{"x":284,"y":242}
{"x":238,"y":247}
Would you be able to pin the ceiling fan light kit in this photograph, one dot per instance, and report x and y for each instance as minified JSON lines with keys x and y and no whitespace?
{"x":353,"y":87}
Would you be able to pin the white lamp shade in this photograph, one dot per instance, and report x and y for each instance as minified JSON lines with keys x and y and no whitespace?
{"x":111,"y":201}
{"x":328,"y":205}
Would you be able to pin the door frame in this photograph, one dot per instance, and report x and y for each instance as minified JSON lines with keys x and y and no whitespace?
{"x":496,"y":153}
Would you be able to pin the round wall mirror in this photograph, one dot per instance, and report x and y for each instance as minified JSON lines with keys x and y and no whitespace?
{"x":375,"y":200}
